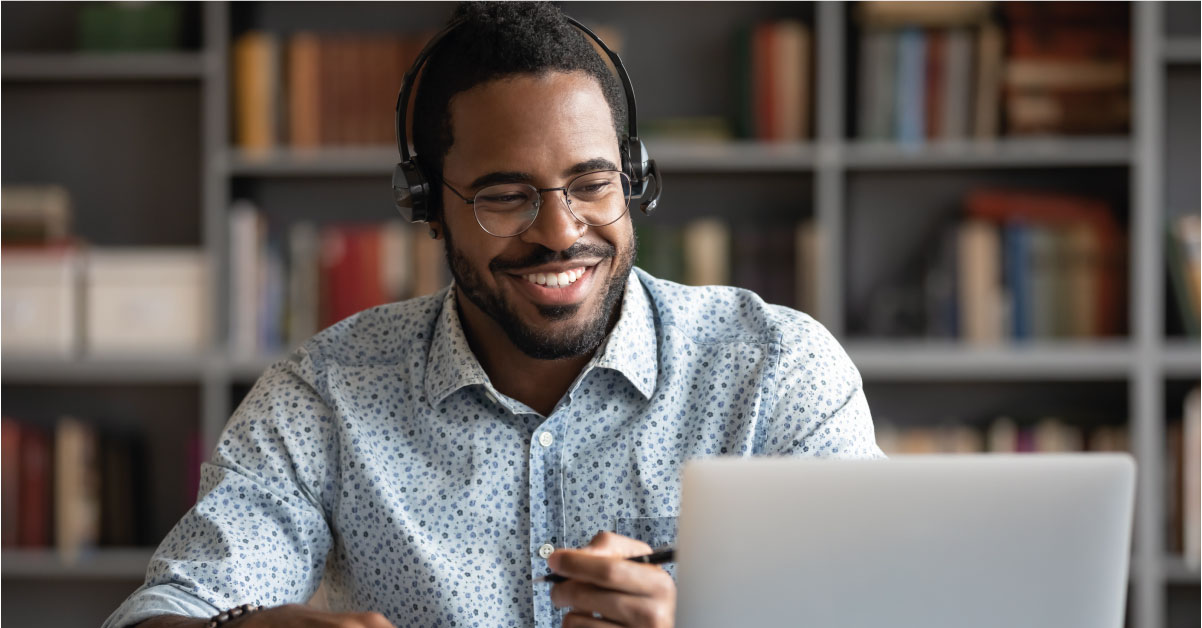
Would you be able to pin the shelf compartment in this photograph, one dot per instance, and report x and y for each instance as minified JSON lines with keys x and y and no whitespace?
{"x":104,"y":563}
{"x":72,"y":66}
{"x":952,"y":361}
{"x":1181,"y":358}
{"x":1182,"y":50}
{"x":321,"y":162}
{"x":1001,"y":153}
{"x":95,"y":370}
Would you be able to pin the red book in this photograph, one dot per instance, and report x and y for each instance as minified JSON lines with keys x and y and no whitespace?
{"x":935,"y":75}
{"x":33,"y":520}
{"x":10,"y":459}
{"x":763,"y":48}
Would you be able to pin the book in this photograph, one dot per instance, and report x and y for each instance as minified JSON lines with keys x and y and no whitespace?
{"x":910,"y":123}
{"x":256,"y":77}
{"x":10,"y":483}
{"x":791,"y":80}
{"x":978,"y":282}
{"x":986,"y":115}
{"x":706,"y":252}
{"x":955,"y":99}
{"x":34,"y":496}
{"x":876,"y":80}
{"x":304,"y":282}
{"x":807,"y":245}
{"x":247,"y":237}
{"x":304,"y":90}
{"x":76,"y":489}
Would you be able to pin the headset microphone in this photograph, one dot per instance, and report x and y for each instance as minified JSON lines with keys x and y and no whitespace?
{"x":411,"y":190}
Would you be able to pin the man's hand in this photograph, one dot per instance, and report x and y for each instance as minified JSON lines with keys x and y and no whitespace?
{"x":601,"y":581}
{"x":289,"y":616}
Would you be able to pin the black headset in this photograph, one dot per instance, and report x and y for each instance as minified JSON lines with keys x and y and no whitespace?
{"x":412,"y":192}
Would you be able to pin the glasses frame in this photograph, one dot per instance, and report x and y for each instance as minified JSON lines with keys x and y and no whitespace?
{"x":538,"y":203}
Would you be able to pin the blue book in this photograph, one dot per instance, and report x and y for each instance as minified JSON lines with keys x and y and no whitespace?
{"x":910,"y":123}
{"x":1016,"y":273}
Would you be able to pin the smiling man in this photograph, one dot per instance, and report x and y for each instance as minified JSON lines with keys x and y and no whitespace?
{"x":432,"y":458}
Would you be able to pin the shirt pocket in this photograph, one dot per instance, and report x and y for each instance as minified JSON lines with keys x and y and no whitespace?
{"x":658,"y":532}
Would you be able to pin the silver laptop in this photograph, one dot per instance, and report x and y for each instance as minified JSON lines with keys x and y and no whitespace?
{"x":912,"y":542}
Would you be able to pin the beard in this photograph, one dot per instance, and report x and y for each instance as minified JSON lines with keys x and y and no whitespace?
{"x":538,"y":342}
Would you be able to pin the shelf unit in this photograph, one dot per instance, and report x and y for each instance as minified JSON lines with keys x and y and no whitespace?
{"x":821,"y":172}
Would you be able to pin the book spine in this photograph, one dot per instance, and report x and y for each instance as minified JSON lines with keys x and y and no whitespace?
{"x":10,"y":461}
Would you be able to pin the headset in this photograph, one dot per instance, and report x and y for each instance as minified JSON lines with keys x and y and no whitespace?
{"x":413,"y":192}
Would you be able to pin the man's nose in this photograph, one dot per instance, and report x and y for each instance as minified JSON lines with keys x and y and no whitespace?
{"x":555,"y":227}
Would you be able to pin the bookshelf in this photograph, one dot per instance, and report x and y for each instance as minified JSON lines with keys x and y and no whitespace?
{"x":855,"y":191}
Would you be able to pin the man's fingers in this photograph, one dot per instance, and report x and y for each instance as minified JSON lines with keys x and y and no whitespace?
{"x":622,"y":608}
{"x":582,"y":619}
{"x":609,"y":571}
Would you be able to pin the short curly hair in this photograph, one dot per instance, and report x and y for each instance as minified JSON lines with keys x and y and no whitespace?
{"x":497,"y":40}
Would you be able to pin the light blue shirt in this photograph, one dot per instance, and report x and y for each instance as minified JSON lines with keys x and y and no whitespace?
{"x":380,"y":456}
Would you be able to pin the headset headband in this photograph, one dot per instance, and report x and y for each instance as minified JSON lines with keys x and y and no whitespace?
{"x":414,"y":194}
{"x":402,"y":100}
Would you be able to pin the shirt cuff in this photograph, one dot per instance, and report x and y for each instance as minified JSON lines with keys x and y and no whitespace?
{"x":162,"y":599}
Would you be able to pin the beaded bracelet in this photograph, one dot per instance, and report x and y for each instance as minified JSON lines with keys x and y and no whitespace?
{"x":221,"y":619}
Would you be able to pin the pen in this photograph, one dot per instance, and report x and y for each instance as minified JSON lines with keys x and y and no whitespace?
{"x":666,"y":555}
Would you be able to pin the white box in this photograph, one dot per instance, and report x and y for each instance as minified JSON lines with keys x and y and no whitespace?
{"x":147,"y":301}
{"x":39,"y":302}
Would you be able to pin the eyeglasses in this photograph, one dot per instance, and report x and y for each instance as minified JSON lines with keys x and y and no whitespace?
{"x":508,"y":209}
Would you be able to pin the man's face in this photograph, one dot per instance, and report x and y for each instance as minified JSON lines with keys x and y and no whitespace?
{"x":544,"y":131}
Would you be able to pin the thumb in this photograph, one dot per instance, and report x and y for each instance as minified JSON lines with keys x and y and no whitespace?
{"x":606,"y":543}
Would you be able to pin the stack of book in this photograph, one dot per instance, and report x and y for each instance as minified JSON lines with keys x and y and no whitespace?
{"x":778,"y":262}
{"x":1002,"y":435}
{"x":73,"y":487}
{"x":1067,"y":67}
{"x":288,"y":284}
{"x":317,"y":89}
{"x":928,"y":71}
{"x":1016,"y":266}
{"x":772,"y":81}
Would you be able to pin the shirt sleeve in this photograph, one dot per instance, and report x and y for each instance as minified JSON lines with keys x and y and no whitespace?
{"x":819,"y":408}
{"x":258,"y":533}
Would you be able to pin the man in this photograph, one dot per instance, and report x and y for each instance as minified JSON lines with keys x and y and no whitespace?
{"x":430,"y":458}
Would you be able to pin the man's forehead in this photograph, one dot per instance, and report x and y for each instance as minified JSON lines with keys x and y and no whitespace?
{"x":550,"y":122}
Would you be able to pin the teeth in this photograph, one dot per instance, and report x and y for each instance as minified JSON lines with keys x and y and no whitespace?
{"x":555,"y":280}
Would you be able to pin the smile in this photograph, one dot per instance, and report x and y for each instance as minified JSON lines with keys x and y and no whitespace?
{"x":564,"y":278}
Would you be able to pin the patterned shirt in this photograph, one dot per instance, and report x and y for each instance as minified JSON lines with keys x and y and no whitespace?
{"x":380,"y":456}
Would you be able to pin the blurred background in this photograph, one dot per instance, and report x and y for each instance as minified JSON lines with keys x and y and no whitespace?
{"x":995,"y":207}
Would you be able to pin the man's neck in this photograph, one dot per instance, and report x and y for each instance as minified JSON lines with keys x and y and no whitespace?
{"x":537,"y":383}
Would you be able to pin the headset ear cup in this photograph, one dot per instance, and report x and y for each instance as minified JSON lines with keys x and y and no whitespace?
{"x":411,"y":191}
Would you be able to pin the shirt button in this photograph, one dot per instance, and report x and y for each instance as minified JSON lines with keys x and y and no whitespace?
{"x":545,"y":439}
{"x":546,"y":550}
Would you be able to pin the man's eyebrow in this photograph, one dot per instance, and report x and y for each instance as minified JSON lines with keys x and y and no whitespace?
{"x":592,"y":165}
{"x":494,"y":178}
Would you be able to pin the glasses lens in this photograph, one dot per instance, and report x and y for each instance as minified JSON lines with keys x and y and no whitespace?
{"x":599,"y":198}
{"x":505,"y":210}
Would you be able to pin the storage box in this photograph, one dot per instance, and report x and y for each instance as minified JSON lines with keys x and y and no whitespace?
{"x":39,"y":299}
{"x":147,"y":300}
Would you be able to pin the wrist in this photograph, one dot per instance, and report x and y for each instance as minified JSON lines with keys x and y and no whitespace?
{"x":232,"y":617}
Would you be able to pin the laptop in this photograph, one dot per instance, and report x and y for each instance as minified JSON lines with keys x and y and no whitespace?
{"x":975,"y":541}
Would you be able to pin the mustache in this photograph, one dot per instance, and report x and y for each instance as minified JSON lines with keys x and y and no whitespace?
{"x":543,"y":255}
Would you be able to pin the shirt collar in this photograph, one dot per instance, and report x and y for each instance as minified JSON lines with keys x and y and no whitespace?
{"x":631,"y":348}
